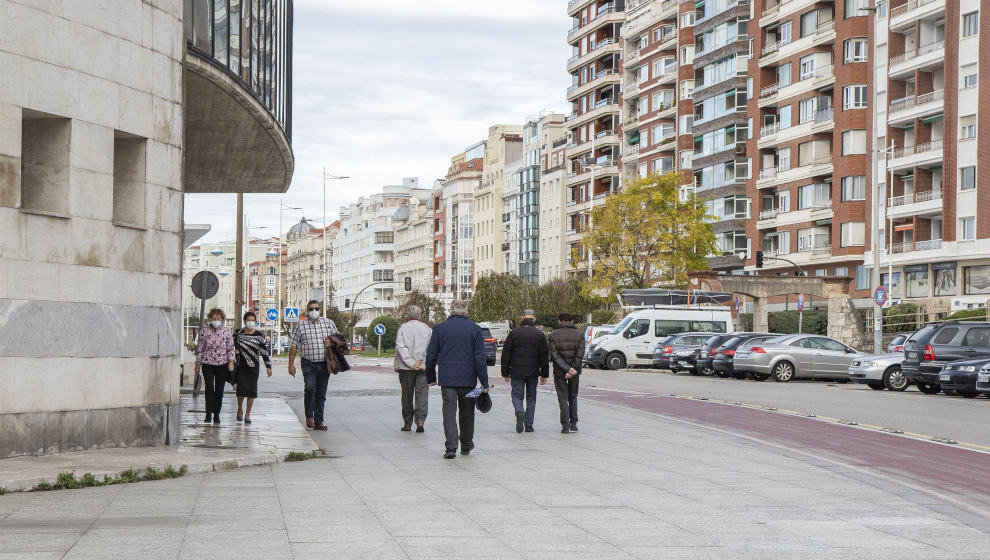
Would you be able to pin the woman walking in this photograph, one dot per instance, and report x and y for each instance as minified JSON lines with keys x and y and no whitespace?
{"x":252,"y":347}
{"x":214,"y":357}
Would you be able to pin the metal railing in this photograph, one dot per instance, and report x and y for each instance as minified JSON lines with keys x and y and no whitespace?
{"x":769,"y":214}
{"x":905,"y":103}
{"x":923,"y":196}
{"x":923,"y":49}
{"x":769,"y":129}
{"x":821,"y":249}
{"x":909,"y":6}
{"x":768,"y":173}
{"x":769,"y":90}
{"x":824,"y":115}
{"x":918,"y":149}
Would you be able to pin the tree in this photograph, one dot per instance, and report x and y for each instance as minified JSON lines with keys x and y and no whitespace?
{"x":391,"y":328}
{"x":434,"y":311}
{"x":498,"y":297}
{"x":646,"y":235}
{"x":345,"y":321}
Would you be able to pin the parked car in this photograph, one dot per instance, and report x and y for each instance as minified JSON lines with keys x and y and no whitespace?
{"x":797,"y":355}
{"x":491,"y":344}
{"x":591,"y":333}
{"x":983,"y":381}
{"x":897,"y":345}
{"x":676,"y":352}
{"x":703,"y":356}
{"x":961,"y":377}
{"x":879,"y":371}
{"x":722,"y":361}
{"x":633,"y":340}
{"x":930,"y":349}
{"x":499,"y":329}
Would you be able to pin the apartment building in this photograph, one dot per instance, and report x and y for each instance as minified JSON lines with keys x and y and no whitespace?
{"x":219,"y":258}
{"x":510,"y":221}
{"x":454,"y":224}
{"x":657,"y":85}
{"x":553,"y":253}
{"x":808,"y":115}
{"x":263,"y":284}
{"x":363,"y":262}
{"x":413,"y":225}
{"x":503,"y":147}
{"x":593,"y":155}
{"x":309,"y":261}
{"x":933,"y":225}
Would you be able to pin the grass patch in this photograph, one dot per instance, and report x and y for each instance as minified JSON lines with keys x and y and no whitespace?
{"x":304,"y":456}
{"x":370,"y":352}
{"x":2,"y":490}
{"x":68,"y":480}
{"x":129,"y":476}
{"x":43,"y":487}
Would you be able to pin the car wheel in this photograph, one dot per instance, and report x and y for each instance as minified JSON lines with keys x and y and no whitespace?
{"x":842,"y":380}
{"x":967,"y":394}
{"x":875,"y":385}
{"x":760,"y":376}
{"x":783,"y":371}
{"x":708,"y":371}
{"x":738,"y":375}
{"x":894,"y":380}
{"x":615,"y":360}
{"x":721,"y":374}
{"x":694,"y":371}
{"x":491,"y":362}
{"x":929,"y":388}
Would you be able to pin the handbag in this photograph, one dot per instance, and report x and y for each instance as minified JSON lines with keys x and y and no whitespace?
{"x":232,"y":377}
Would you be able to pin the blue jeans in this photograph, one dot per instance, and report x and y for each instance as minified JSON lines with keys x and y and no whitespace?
{"x":527,"y":385}
{"x":316,"y":379}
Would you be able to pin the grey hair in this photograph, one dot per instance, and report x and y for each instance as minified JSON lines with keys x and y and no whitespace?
{"x":414,"y":312}
{"x":458,"y":307}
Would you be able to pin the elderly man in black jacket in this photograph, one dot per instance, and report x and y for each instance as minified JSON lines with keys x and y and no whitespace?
{"x":567,"y":353}
{"x":525,"y":359}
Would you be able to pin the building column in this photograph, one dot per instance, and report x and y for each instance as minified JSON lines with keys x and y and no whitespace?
{"x":761,"y":319}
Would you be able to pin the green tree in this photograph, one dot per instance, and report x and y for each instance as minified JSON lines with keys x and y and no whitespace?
{"x":646,"y":236}
{"x":345,"y":321}
{"x":391,"y":328}
{"x":498,"y":297}
{"x":434,"y":311}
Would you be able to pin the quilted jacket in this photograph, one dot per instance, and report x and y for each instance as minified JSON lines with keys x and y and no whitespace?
{"x":456,"y":354}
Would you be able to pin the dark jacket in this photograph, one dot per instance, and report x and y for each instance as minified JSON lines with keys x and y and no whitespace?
{"x":525,"y":352}
{"x":566,"y":349}
{"x":335,"y":353}
{"x":457,"y":347}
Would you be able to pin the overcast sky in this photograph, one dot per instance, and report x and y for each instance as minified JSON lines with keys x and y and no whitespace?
{"x":392,"y":88}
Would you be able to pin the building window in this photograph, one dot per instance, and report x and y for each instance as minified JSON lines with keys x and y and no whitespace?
{"x":969,"y":81}
{"x":45,"y":164}
{"x":967,"y":227}
{"x":971,"y":24}
{"x":853,"y":142}
{"x":853,"y":234}
{"x":862,"y":278}
{"x":129,"y":180}
{"x":945,"y":278}
{"x":967,"y":178}
{"x":853,"y":188}
{"x":856,"y":8}
{"x":854,"y":50}
{"x":807,"y":68}
{"x":917,"y":280}
{"x":842,"y":271}
{"x":854,"y":97}
{"x":976,"y":280}
{"x":967,"y":127}
{"x":784,"y":74}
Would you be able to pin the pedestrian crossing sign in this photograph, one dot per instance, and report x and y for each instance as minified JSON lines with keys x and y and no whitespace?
{"x":291,"y":314}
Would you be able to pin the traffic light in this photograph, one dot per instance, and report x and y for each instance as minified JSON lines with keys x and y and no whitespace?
{"x":408,"y":284}
{"x":759,"y":259}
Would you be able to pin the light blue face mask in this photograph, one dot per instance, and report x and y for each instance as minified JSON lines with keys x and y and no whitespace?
{"x":215,"y":324}
{"x":250,"y":324}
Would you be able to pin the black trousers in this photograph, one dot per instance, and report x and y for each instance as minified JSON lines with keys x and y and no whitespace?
{"x":415,"y":395}
{"x":567,"y":392}
{"x":458,"y":410}
{"x":214,"y":378}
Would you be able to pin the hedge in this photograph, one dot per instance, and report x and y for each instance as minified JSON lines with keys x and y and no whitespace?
{"x":391,"y":328}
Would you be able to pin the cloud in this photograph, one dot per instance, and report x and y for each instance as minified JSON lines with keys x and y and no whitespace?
{"x":391,"y":89}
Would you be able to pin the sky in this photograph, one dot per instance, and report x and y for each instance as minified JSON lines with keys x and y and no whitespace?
{"x":390,"y":89}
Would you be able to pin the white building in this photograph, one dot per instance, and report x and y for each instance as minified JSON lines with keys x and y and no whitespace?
{"x":363,"y":267}
{"x":309,"y":261}
{"x":459,"y":186}
{"x":553,"y":252}
{"x":413,"y":226}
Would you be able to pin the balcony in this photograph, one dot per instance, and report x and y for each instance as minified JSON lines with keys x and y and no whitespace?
{"x":602,"y":108}
{"x":909,"y":246}
{"x":772,"y":176}
{"x":599,"y":49}
{"x":774,"y":52}
{"x":919,"y":155}
{"x":573,"y":6}
{"x":917,"y":204}
{"x":603,"y":138}
{"x":610,"y":76}
{"x":631,"y":151}
{"x":821,"y":250}
{"x":642,"y":13}
{"x":607,"y":168}
{"x":606,"y":14}
{"x":930,"y":55}
{"x":907,"y":14}
{"x":907,"y":109}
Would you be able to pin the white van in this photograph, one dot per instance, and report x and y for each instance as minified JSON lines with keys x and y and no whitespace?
{"x":632,"y":341}
{"x":500,"y":329}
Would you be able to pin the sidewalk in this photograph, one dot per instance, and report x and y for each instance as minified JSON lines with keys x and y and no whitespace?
{"x":274,"y":432}
{"x":630,"y":485}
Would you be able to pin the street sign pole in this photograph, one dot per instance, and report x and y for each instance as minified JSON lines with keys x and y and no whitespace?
{"x":379,"y":346}
{"x":800,"y":313}
{"x":879,"y":298}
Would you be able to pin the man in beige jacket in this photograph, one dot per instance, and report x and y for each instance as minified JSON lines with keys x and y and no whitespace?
{"x":410,"y":355}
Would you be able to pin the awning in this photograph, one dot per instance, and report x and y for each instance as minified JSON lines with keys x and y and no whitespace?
{"x":932,"y":118}
{"x":904,"y":227}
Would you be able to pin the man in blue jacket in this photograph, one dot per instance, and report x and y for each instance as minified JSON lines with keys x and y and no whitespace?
{"x":458,"y":348}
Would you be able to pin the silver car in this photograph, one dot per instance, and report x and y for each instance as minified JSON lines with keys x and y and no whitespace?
{"x":879,"y":371}
{"x":796,"y":355}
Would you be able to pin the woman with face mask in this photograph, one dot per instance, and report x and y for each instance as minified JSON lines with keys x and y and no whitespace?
{"x":214,"y":357}
{"x":252,"y":349}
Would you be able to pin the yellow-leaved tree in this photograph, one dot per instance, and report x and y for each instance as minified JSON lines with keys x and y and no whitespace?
{"x":646,"y":236}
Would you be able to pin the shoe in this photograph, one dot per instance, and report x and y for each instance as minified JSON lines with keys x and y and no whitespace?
{"x":240,"y":415}
{"x":405,"y":428}
{"x":529,"y":429}
{"x":565,"y":430}
{"x":419,"y":428}
{"x":208,"y":419}
{"x":216,"y":419}
{"x":309,"y":423}
{"x":321,"y":427}
{"x":519,"y":422}
{"x":465,"y":451}
{"x":450,"y":455}
{"x":574,"y":427}
{"x":247,"y":420}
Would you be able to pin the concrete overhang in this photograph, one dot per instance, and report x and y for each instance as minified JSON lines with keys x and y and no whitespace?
{"x":192,"y":233}
{"x":232,"y":143}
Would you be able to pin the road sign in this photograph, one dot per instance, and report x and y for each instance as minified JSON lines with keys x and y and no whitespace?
{"x":380,"y":329}
{"x":880,"y":296}
{"x":271,"y":314}
{"x":800,"y":302}
{"x":291,"y":314}
{"x":205,"y":284}
{"x":737,"y":304}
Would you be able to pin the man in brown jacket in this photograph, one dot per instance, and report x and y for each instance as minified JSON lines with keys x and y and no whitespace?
{"x":566,"y":353}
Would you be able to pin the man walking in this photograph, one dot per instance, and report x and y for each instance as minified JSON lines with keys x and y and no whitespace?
{"x":457,"y":348}
{"x":524,"y":360}
{"x":410,"y":356}
{"x":567,"y":353}
{"x":311,"y":339}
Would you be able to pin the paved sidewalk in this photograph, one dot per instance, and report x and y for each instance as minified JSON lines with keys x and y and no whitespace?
{"x":629,"y":485}
{"x":273,"y":433}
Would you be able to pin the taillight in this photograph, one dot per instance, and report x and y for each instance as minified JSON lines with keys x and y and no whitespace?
{"x":713,"y":352}
{"x":929,"y":353}
{"x":668,"y":349}
{"x":729,"y":352}
{"x":757,"y":350}
{"x":489,"y":340}
{"x":899,"y":348}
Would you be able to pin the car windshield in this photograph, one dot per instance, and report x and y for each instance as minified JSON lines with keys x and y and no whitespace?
{"x":621,"y":326}
{"x":732,"y":342}
{"x":923,"y":333}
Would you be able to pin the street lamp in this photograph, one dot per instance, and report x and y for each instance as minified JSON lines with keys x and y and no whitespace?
{"x":323,"y":257}
{"x":278,"y":281}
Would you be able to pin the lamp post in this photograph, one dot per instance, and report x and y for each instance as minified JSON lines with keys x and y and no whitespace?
{"x":323,"y":256}
{"x":877,"y":197}
{"x":278,"y":280}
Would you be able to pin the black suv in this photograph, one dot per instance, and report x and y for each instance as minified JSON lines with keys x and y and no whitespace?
{"x":927,"y":351}
{"x":724,"y":354}
{"x":704,"y":356}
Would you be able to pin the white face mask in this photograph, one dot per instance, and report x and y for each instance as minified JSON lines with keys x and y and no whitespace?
{"x":250,"y":324}
{"x":314,"y":314}
{"x":215,"y":324}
